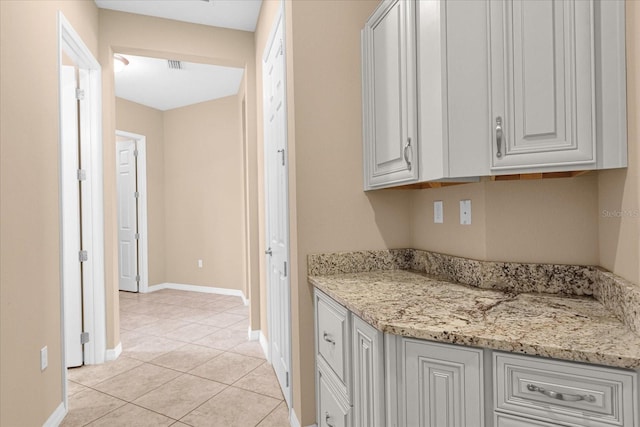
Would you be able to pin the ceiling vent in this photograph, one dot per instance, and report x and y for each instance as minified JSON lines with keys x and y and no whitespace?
{"x":174,"y":65}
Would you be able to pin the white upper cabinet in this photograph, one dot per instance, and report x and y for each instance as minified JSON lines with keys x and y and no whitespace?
{"x":469,"y":88}
{"x":546,"y":75}
{"x":543,"y":91}
{"x":389,"y":95}
{"x":453,"y":86}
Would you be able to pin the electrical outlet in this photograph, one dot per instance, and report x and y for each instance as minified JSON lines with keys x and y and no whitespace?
{"x":465,"y":212}
{"x":44,"y":358}
{"x":199,"y":263}
{"x":438,"y":214}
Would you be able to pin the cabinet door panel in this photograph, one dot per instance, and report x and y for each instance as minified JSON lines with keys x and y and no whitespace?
{"x":443,"y":385}
{"x":368,"y":375}
{"x":389,"y":98}
{"x":543,"y":90}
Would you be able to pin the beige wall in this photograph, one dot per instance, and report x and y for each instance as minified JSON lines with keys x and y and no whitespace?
{"x":29,"y":204}
{"x":619,"y":190}
{"x":161,"y":38}
{"x":143,"y":120}
{"x":204,"y":194}
{"x":329,"y":211}
{"x":546,"y":221}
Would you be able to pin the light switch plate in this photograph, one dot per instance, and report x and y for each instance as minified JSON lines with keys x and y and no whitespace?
{"x":438,"y":214}
{"x":465,"y":212}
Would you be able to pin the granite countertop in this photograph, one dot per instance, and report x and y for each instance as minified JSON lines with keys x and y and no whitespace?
{"x":413,"y":304}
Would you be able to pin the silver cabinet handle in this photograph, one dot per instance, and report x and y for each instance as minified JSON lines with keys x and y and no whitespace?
{"x":282,"y":152}
{"x":561,"y":396}
{"x":405,"y":151}
{"x":268,"y":252}
{"x":328,"y":339}
{"x":499,"y":136}
{"x":327,"y":417}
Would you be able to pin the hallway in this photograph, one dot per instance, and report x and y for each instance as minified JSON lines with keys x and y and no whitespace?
{"x":186,"y":361}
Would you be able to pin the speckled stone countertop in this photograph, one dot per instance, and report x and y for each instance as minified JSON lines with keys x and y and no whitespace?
{"x":414,"y":304}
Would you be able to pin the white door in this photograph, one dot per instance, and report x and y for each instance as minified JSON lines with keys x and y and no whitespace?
{"x":276,"y":199}
{"x":71,"y":239}
{"x":127,"y":215}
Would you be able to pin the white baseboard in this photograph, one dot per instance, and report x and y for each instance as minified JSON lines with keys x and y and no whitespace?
{"x":56,"y":417}
{"x":265,"y":346}
{"x":113,"y":353}
{"x":196,"y":288}
{"x":254,"y":335}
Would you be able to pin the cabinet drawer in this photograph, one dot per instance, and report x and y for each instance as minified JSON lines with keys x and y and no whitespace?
{"x":333,"y":411}
{"x":332,"y":336}
{"x":568,"y":392}
{"x":502,"y":420}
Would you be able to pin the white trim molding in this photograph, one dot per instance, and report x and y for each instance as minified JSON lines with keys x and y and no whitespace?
{"x":56,"y":417}
{"x":264,"y":343}
{"x":254,"y":335}
{"x":90,"y":80}
{"x":197,"y":288}
{"x":293,"y":419}
{"x":113,"y":353}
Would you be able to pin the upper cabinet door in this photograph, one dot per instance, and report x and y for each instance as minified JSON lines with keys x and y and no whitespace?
{"x":389,"y":96}
{"x":543,"y":85}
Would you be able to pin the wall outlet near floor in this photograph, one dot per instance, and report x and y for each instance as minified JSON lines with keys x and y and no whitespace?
{"x":44,"y":358}
{"x":438,"y":213}
{"x":465,"y":212}
{"x":199,"y":263}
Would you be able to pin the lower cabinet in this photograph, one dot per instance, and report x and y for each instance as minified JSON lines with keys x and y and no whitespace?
{"x":333,"y":408}
{"x":443,"y":385}
{"x":365,"y":378}
{"x":368,"y":374}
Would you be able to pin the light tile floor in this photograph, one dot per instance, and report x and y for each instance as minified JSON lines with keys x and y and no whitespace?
{"x":186,"y":361}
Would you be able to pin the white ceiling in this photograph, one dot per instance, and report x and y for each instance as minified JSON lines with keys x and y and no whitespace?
{"x":150,"y":82}
{"x":235,"y":14}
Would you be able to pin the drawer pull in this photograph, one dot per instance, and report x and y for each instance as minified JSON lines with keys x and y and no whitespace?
{"x":327,"y":417}
{"x":328,"y":339}
{"x":561,"y":396}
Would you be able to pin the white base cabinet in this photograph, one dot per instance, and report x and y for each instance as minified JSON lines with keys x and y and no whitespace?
{"x":373,"y":379}
{"x":368,"y":374}
{"x":441,"y":385}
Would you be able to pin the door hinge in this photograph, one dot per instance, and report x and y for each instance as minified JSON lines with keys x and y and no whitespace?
{"x":84,"y":337}
{"x":286,"y":379}
{"x":137,"y":277}
{"x":285,"y":269}
{"x":281,"y":47}
{"x":79,"y":94}
{"x":136,"y":195}
{"x":136,"y":236}
{"x":83,"y":256}
{"x":135,"y":152}
{"x":82,"y":175}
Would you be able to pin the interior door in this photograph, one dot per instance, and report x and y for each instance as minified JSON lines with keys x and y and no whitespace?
{"x":127,"y":215}
{"x":71,"y":238}
{"x":277,"y":209}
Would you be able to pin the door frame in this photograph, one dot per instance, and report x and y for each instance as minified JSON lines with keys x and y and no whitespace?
{"x":279,"y":21}
{"x":141,"y":176}
{"x":90,"y":124}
